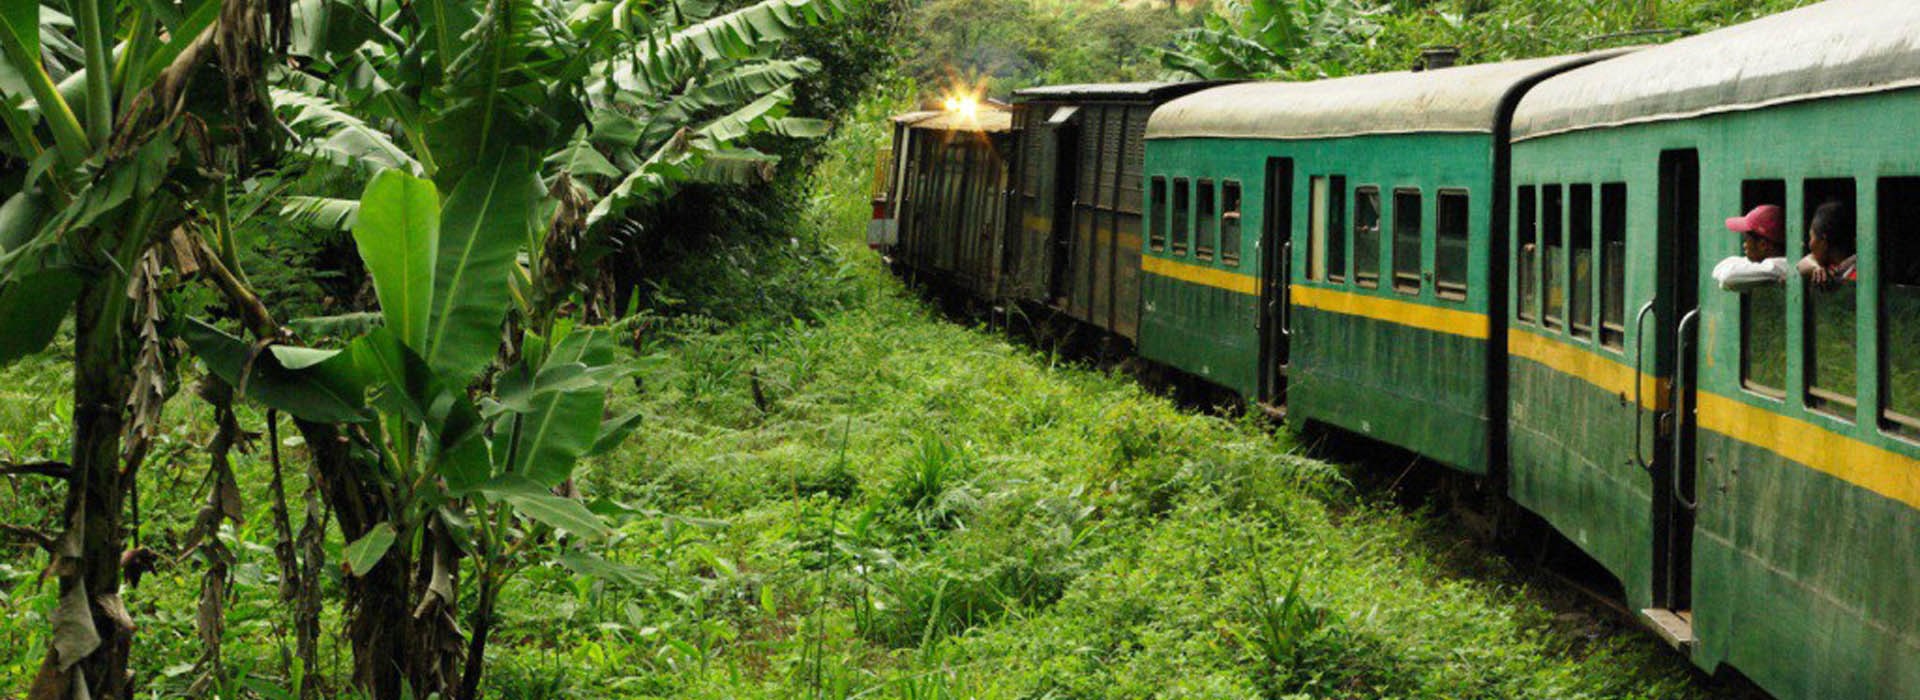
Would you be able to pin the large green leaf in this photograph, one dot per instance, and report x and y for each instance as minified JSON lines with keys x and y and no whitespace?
{"x":31,"y":308}
{"x":486,"y":218}
{"x":398,"y":234}
{"x":534,"y":500}
{"x":321,"y":385}
{"x":332,"y":134}
{"x":561,"y":426}
{"x":365,"y":553}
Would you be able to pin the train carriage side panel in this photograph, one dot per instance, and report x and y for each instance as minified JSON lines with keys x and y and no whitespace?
{"x":1782,"y":486}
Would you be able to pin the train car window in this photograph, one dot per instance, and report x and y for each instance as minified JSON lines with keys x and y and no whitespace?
{"x":1832,"y":301}
{"x":1580,"y":254}
{"x":1897,"y":257}
{"x":1366,"y":237}
{"x":1450,"y":252}
{"x":1527,"y":261}
{"x":1613,"y":264}
{"x":1180,"y":214}
{"x":1206,"y":227}
{"x":1553,"y":265}
{"x":1763,"y":310}
{"x":1157,"y":224}
{"x":1230,"y":222}
{"x":1326,"y":234}
{"x":1406,"y":240}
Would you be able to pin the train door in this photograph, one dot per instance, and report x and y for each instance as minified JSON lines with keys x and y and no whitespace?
{"x":1276,"y":269}
{"x":1677,"y":303}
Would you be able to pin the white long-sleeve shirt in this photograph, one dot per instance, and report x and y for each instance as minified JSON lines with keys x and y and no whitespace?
{"x":1738,"y":274}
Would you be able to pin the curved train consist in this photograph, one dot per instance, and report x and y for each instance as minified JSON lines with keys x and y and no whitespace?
{"x":1503,"y":268}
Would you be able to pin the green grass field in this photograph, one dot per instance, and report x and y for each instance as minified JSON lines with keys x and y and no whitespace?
{"x":882,"y":503}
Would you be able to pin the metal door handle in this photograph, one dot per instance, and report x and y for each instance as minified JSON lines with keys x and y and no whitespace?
{"x":1680,"y":407}
{"x":1284,"y":298}
{"x":1639,"y":341}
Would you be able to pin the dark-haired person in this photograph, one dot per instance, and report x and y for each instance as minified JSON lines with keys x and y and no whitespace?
{"x":1830,"y":246}
{"x":1763,"y":246}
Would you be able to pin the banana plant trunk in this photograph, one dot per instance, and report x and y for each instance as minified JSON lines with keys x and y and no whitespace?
{"x":93,"y":634}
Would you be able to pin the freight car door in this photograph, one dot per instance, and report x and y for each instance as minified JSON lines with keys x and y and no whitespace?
{"x":1276,"y":271}
{"x":1677,"y":304}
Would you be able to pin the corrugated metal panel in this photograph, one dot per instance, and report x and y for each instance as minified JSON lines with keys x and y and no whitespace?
{"x":1133,"y":161}
{"x":1833,"y":48}
{"x":1089,"y":156}
{"x":1464,"y":99}
{"x":1112,"y":133}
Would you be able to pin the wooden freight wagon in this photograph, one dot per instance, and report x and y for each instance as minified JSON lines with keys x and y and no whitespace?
{"x":1074,"y":245}
{"x":948,"y":196}
{"x":1747,"y":463}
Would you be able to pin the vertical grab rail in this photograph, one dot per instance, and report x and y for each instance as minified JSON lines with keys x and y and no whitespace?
{"x":1680,"y":408}
{"x":1639,"y":342}
{"x":1284,"y":297}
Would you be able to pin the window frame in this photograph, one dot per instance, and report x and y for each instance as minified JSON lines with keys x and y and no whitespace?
{"x":1361,"y":280}
{"x":1182,"y":210}
{"x":1206,"y":220}
{"x":1579,"y":196}
{"x":1877,"y":249}
{"x":1553,"y":236}
{"x":1612,"y":335}
{"x":1752,"y":195}
{"x":1526,"y":266}
{"x":1440,"y":283}
{"x":1829,"y":402}
{"x":1157,"y":221}
{"x":1230,"y":211}
{"x":1417,"y":283}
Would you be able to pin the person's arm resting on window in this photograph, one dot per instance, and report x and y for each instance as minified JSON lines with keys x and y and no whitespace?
{"x":1738,"y":274}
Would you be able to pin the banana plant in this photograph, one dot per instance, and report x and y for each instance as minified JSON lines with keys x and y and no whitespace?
{"x":469,"y":476}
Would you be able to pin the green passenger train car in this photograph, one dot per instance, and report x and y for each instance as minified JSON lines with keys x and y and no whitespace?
{"x":948,"y":197}
{"x":1328,"y":244}
{"x":1746,"y":463}
{"x":1074,"y":240}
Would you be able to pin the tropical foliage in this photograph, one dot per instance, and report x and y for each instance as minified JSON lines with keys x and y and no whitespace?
{"x":156,"y":146}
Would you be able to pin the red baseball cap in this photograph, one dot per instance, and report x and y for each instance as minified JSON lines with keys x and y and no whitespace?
{"x":1764,"y":221}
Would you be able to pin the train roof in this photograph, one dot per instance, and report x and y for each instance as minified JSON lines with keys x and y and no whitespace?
{"x":1122,"y":91}
{"x":1842,"y":47}
{"x":1462,"y":99}
{"x":987,"y":120}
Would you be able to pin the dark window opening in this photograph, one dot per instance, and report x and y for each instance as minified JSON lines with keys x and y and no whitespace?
{"x":1832,"y":346}
{"x":1366,"y":237}
{"x":1230,"y":222}
{"x":1206,"y":227}
{"x":1526,"y":267}
{"x":1450,"y":250}
{"x":1553,"y":265}
{"x":1580,"y":246}
{"x":1897,"y":251}
{"x":1157,"y":225}
{"x":1613,"y":264}
{"x":1763,"y":310}
{"x":1180,"y":216}
{"x":1328,"y":229}
{"x":1406,"y":240}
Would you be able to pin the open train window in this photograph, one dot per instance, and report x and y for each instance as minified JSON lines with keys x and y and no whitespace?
{"x":1157,"y":225}
{"x":1180,"y":214}
{"x":1206,"y":227}
{"x":1553,"y":265}
{"x":1366,"y":237}
{"x":1763,"y":310}
{"x":1830,"y":307}
{"x":1406,"y":240}
{"x":1327,"y":234}
{"x":1450,"y":249}
{"x":1613,"y":264}
{"x":1580,"y":254}
{"x":1230,"y":222}
{"x":1527,"y":260}
{"x":1897,"y":257}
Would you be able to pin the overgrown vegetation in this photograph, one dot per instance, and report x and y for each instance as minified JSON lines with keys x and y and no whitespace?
{"x":827,"y":491}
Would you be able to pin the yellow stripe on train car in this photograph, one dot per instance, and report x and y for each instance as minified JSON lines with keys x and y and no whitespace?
{"x":1432,"y":318}
{"x":1207,"y":276}
{"x":1603,"y":372}
{"x":1885,"y":472}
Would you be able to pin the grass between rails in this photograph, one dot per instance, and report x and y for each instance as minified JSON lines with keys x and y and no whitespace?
{"x":877,"y":502}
